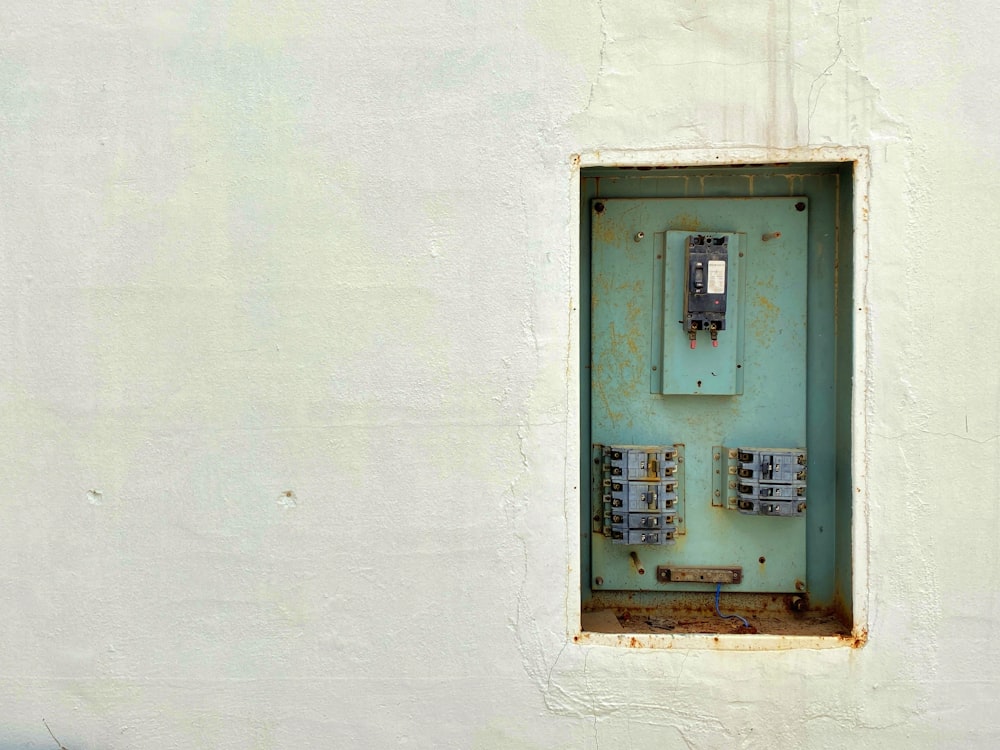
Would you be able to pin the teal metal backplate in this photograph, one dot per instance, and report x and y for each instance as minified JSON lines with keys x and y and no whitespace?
{"x":639,"y":350}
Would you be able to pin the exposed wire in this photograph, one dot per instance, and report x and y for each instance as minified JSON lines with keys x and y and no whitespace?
{"x":718,"y":590}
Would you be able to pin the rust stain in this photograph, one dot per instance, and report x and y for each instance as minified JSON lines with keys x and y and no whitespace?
{"x":685,"y":222}
{"x":763,"y":328}
{"x":605,"y":232}
{"x":783,"y":641}
{"x":602,"y":282}
{"x":856,"y":639}
{"x":693,"y":613}
{"x":598,"y":385}
{"x":633,"y":317}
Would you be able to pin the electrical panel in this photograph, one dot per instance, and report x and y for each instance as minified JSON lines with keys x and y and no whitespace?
{"x":697,"y":358}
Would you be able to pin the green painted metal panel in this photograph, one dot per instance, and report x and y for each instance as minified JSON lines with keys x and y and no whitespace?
{"x":638,"y":346}
{"x":705,"y":370}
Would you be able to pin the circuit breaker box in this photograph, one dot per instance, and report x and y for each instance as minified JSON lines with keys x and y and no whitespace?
{"x":700,"y":467}
{"x":718,"y":396}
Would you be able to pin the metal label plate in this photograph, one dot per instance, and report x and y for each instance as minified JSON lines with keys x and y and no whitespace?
{"x":699,"y":575}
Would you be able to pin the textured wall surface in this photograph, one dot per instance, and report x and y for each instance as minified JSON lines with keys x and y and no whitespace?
{"x":286,"y":322}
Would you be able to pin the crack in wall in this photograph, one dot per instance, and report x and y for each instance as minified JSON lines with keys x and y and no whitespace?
{"x":602,"y":56}
{"x":811,"y":104}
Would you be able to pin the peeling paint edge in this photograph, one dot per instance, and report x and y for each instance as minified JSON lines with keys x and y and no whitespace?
{"x":700,"y":157}
{"x":720,"y":642}
{"x":860,"y":400}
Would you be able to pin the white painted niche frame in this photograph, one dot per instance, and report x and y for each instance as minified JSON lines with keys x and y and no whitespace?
{"x":860,"y":160}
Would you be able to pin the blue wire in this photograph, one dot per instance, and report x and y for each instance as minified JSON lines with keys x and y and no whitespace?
{"x":718,"y":590}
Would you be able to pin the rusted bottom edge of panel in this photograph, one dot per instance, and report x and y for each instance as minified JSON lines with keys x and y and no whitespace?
{"x":739,"y":614}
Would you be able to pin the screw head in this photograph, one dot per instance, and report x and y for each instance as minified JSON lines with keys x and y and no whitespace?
{"x":639,"y":236}
{"x":599,"y":581}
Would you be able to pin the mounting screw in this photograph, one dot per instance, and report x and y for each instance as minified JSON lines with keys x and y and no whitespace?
{"x":717,"y":456}
{"x":639,"y":236}
{"x":800,"y":206}
{"x":800,"y":585}
{"x":799,"y":604}
{"x":599,"y":581}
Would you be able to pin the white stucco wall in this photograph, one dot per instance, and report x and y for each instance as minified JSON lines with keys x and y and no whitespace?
{"x":286,"y":318}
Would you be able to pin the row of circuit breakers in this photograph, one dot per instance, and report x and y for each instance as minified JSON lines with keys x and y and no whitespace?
{"x":640,"y":486}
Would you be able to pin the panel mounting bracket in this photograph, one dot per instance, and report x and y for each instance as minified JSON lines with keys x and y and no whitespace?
{"x":670,"y":574}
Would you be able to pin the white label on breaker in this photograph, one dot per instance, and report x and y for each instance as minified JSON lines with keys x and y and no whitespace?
{"x":716,"y":277}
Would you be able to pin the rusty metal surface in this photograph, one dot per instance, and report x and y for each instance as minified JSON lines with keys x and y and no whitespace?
{"x":692,"y":614}
{"x":731,"y":574}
